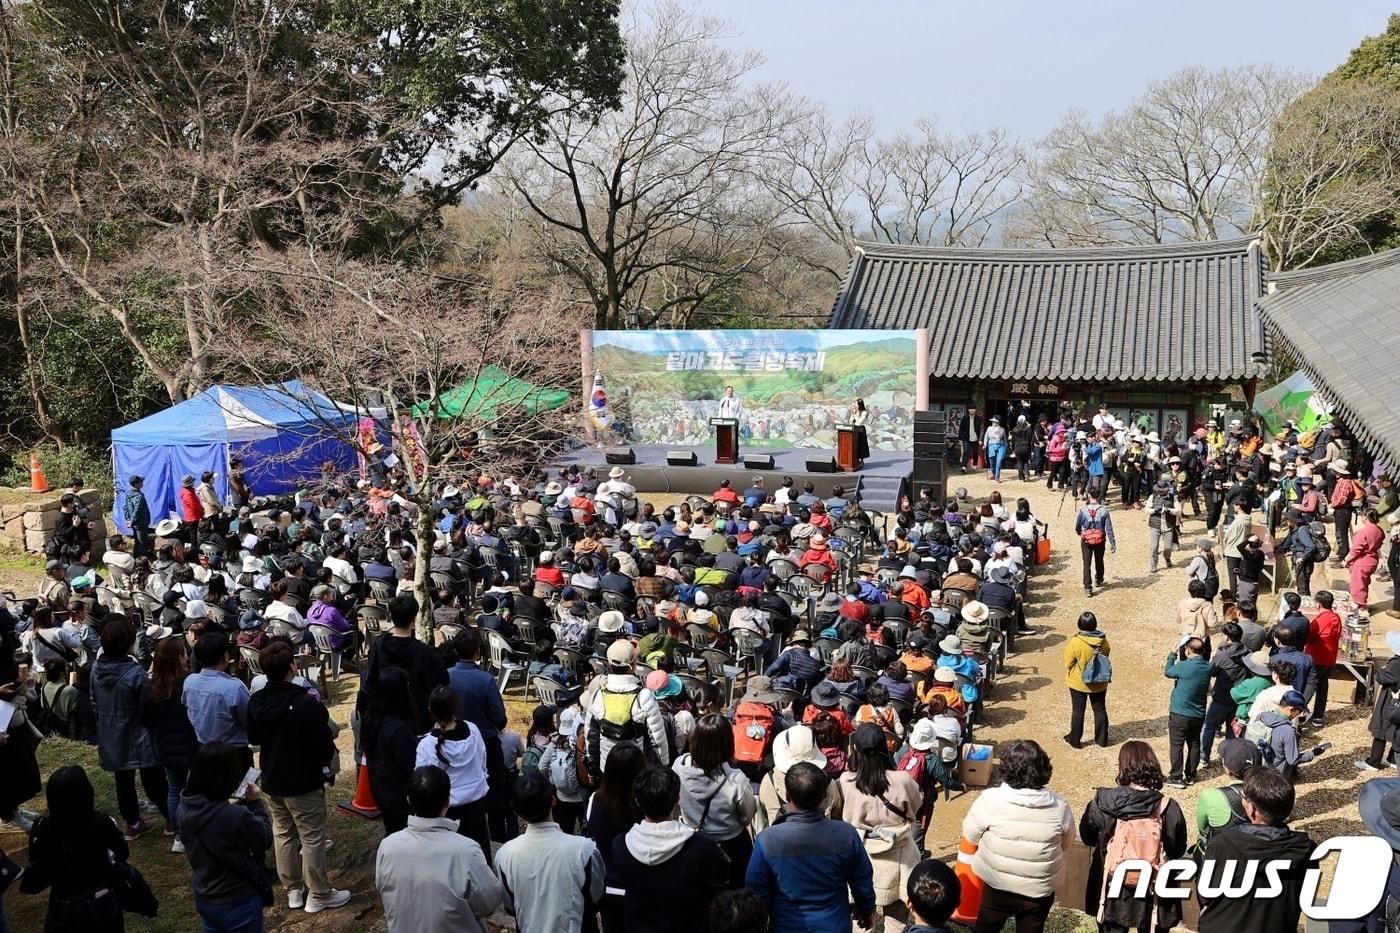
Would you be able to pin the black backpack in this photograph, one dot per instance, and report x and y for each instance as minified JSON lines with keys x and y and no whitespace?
{"x":1322,"y":549}
{"x":1212,"y":580}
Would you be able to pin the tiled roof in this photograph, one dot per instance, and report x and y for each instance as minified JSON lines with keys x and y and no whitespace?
{"x":1342,"y":323}
{"x":1142,"y":313}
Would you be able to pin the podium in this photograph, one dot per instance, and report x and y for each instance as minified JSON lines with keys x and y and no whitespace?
{"x":846,"y":457}
{"x":726,"y":439}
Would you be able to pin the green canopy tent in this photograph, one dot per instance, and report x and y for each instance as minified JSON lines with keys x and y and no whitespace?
{"x":493,"y":389}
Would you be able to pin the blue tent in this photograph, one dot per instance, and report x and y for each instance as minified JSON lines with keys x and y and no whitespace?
{"x":283,"y":432}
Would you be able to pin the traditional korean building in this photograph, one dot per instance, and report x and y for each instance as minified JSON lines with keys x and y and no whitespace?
{"x":1171,"y":332}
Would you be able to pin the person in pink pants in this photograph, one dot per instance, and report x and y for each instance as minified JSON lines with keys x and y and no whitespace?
{"x":1364,"y":556}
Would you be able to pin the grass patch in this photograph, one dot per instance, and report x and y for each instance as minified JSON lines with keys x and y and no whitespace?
{"x":351,"y":858}
{"x":21,"y":562}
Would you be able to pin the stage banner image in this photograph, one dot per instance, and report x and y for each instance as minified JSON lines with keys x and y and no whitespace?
{"x":793,"y":386}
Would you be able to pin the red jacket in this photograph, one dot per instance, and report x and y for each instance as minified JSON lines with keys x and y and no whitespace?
{"x":1324,"y":635}
{"x":190,"y":508}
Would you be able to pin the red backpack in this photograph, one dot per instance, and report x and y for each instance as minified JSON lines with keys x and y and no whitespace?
{"x":915,"y":764}
{"x":753,"y":731}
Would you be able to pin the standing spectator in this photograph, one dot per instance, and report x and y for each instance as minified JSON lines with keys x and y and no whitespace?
{"x":1094,"y":527}
{"x":1020,"y":829}
{"x":1196,"y":616}
{"x":551,"y":880}
{"x":668,"y":871}
{"x":429,"y":877}
{"x":1275,"y":731}
{"x":970,"y":434}
{"x":1268,"y":803}
{"x":401,"y":648}
{"x":807,"y":869}
{"x":622,"y":710}
{"x":293,"y":730}
{"x":1231,"y":544}
{"x":934,"y":892}
{"x":390,"y":745}
{"x":1227,"y":668}
{"x":226,"y":843}
{"x":995,"y":440}
{"x":1136,"y":796}
{"x":611,"y":812}
{"x":1251,"y":565}
{"x":137,"y":512}
{"x":1323,"y":640}
{"x":165,"y":716}
{"x":191,"y":511}
{"x":1187,"y":710}
{"x":479,"y":703}
{"x":1384,"y":725}
{"x":1346,"y":495}
{"x":716,"y":797}
{"x":124,"y":746}
{"x":455,"y":746}
{"x":73,"y":851}
{"x":1163,"y":519}
{"x":1299,"y":544}
{"x":883,"y":803}
{"x":1363,"y":558}
{"x":1221,"y":807}
{"x":217,"y":701}
{"x":1080,"y":652}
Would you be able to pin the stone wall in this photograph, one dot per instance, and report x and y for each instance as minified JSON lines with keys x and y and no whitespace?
{"x":27,"y":519}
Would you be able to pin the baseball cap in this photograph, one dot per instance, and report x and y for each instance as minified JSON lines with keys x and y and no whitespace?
{"x":1295,"y":699}
{"x":620,"y":653}
{"x":1239,"y":755}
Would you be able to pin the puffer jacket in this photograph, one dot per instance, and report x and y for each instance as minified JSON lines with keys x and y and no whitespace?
{"x":119,"y":689}
{"x":651,"y":725}
{"x":721,"y":806}
{"x":1078,"y":650}
{"x":1020,"y":835}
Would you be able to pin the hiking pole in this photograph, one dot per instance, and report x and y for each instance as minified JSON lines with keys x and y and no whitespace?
{"x":1063,"y":492}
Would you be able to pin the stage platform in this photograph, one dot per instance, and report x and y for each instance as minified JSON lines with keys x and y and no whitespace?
{"x":876,"y":486}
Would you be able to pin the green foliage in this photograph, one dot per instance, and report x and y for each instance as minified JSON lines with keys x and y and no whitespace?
{"x":61,"y":463}
{"x":1377,"y":57}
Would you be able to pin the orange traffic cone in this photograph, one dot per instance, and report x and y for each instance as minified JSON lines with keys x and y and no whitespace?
{"x":363,"y":805}
{"x":971,"y":900}
{"x":37,"y":482}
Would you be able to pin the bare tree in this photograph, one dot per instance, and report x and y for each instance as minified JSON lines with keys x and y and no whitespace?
{"x":924,"y":187}
{"x":652,"y":209}
{"x":1334,"y":166}
{"x":421,"y":359}
{"x":1184,"y":162}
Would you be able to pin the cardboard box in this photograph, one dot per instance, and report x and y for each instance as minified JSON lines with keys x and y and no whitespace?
{"x":976,"y":773}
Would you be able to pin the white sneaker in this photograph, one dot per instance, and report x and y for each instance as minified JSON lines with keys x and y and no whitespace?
{"x":178,"y":846}
{"x":315,"y":903}
{"x":20,"y":824}
{"x":296,"y":898}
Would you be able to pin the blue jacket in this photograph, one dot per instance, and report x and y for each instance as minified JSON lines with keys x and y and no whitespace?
{"x":1093,"y":459}
{"x":478,"y":699}
{"x":803,"y":867}
{"x":1306,"y":669}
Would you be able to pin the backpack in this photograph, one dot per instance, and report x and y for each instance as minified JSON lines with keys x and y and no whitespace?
{"x":1235,"y":802}
{"x":1212,"y":580}
{"x":617,"y":724}
{"x":530,"y":762}
{"x":1093,"y":533}
{"x":563,"y":770}
{"x":1322,"y":549}
{"x":753,"y":732}
{"x":1098,"y":669}
{"x":915,"y":764}
{"x":1262,"y":734}
{"x":1136,"y":839}
{"x":47,"y":720}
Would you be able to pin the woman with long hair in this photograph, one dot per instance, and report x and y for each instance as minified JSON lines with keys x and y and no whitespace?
{"x":456,"y":747}
{"x":164,"y":715}
{"x":612,"y":811}
{"x":225,"y":842}
{"x":716,"y":797}
{"x":72,"y":851}
{"x":883,"y":803}
{"x":1136,"y":795}
{"x":860,"y":417}
{"x":390,"y":744}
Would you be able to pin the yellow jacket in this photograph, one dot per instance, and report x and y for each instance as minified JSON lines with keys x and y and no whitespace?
{"x":1078,"y":651}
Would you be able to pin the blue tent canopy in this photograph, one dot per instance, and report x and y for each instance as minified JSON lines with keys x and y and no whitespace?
{"x":284,"y":433}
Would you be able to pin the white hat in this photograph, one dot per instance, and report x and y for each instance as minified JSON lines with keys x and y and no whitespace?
{"x":794,"y":745}
{"x":1080,"y":436}
{"x":252,"y":565}
{"x":1339,"y":467}
{"x":975,"y":612}
{"x":617,"y":472}
{"x":166,"y":527}
{"x":546,"y":556}
{"x":157,"y":632}
{"x":921,"y":736}
{"x":611,"y":621}
{"x":449,"y":492}
{"x":701,"y":598}
{"x":1152,"y":436}
{"x":196,"y":609}
{"x":552,"y":488}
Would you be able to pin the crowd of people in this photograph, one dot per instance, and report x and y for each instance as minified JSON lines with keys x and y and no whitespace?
{"x":748,"y":703}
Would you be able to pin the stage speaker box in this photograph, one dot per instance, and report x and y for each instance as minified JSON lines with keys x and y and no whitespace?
{"x":930,"y":434}
{"x":822,"y":465}
{"x":680,"y":458}
{"x":620,"y":455}
{"x":758,"y":461}
{"x":930,"y":473}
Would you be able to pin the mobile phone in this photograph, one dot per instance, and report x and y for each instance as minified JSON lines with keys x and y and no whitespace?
{"x":250,"y":777}
{"x":1322,"y":748}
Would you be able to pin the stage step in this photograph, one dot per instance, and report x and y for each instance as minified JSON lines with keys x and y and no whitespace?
{"x":880,"y":493}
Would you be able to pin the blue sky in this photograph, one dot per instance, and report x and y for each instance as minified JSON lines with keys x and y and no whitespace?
{"x":1019,"y":64}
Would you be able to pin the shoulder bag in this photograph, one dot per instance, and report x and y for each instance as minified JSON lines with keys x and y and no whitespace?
{"x":882,"y":839}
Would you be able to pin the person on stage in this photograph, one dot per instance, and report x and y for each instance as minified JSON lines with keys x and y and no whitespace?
{"x":730,"y":406}
{"x":860,"y":418}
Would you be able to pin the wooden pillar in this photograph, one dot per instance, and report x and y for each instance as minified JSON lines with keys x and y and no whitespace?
{"x":585,"y":349}
{"x":921,"y":369}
